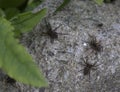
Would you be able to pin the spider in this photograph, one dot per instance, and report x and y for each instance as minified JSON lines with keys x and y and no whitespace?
{"x":88,"y":67}
{"x":100,"y":25}
{"x":51,"y":32}
{"x":10,"y":80}
{"x":94,"y":44}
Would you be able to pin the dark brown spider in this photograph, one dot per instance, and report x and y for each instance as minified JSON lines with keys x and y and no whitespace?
{"x":51,"y":32}
{"x":88,"y":67}
{"x":10,"y":80}
{"x":94,"y":44}
{"x":99,"y":25}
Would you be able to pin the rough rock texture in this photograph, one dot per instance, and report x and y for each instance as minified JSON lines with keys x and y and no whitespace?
{"x":61,"y":60}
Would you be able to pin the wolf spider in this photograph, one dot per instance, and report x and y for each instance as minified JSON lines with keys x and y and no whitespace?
{"x":94,"y":44}
{"x":88,"y":67}
{"x":51,"y":32}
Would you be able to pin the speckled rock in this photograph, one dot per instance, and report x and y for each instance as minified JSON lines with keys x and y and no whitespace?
{"x":61,"y":60}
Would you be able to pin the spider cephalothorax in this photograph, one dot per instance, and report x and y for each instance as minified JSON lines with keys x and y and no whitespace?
{"x":94,"y":44}
{"x":51,"y":32}
{"x":88,"y":67}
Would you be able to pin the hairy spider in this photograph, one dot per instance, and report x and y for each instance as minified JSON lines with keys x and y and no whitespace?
{"x":94,"y":44}
{"x":88,"y":67}
{"x":51,"y":32}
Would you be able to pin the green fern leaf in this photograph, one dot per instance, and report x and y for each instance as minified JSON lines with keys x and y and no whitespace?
{"x":15,"y":60}
{"x":26,"y":21}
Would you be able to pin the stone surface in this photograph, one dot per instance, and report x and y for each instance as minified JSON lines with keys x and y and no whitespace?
{"x":61,"y":60}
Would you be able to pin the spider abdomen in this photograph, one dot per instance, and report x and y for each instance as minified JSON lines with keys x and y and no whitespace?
{"x":87,"y":69}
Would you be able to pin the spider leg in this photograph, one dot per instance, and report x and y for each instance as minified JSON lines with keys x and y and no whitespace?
{"x":51,"y":40}
{"x":62,"y":34}
{"x":89,"y":76}
{"x":47,"y":23}
{"x":93,"y":68}
{"x":94,"y":64}
{"x":85,"y":61}
{"x":57,"y":27}
{"x":97,"y":65}
{"x":83,"y":64}
{"x":43,"y":34}
{"x":90,"y":35}
{"x":81,"y":70}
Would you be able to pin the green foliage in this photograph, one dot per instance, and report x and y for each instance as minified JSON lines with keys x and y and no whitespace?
{"x":26,"y":21}
{"x":2,"y":14}
{"x":11,"y":3}
{"x":14,"y":59}
{"x":65,"y":2}
{"x":99,"y":2}
{"x":11,"y":12}
{"x":32,"y":4}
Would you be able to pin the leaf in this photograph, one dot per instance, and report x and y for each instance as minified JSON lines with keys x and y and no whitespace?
{"x":32,"y":4}
{"x":2,"y":13}
{"x":99,"y":2}
{"x":15,"y":60}
{"x":65,"y":2}
{"x":11,"y":12}
{"x":11,"y":3}
{"x":26,"y":21}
